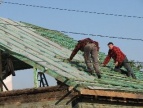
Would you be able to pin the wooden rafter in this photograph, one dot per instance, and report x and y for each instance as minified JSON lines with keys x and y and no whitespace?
{"x":115,"y":94}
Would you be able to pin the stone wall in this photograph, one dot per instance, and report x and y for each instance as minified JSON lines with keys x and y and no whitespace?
{"x":50,"y":97}
{"x":42,"y":104}
{"x":57,"y":97}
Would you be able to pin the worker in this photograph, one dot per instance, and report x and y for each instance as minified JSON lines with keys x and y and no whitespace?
{"x":119,"y":58}
{"x":90,"y":49}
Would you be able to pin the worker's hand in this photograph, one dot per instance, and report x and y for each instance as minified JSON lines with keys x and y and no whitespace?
{"x":116,"y":63}
{"x":103,"y":65}
{"x":69,"y":59}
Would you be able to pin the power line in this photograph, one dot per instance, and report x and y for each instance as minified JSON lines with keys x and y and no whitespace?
{"x":81,"y":33}
{"x":73,"y":10}
{"x":140,"y":63}
{"x":102,"y":36}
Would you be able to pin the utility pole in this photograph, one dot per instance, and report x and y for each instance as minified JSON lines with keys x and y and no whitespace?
{"x":35,"y":77}
{"x":1,"y":86}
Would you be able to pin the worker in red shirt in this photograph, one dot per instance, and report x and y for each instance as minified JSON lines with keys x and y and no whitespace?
{"x":90,"y":49}
{"x":119,"y":58}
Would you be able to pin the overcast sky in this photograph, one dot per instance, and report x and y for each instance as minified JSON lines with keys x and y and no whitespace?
{"x":116,"y":25}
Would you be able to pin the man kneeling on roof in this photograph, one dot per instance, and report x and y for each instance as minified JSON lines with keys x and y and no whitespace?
{"x":90,"y":49}
{"x":120,"y":60}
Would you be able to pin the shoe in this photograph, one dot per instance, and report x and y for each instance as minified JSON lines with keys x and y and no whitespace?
{"x":128,"y":74}
{"x":133,"y":76}
{"x":99,"y":76}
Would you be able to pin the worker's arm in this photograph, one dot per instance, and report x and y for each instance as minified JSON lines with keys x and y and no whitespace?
{"x":97,"y":45}
{"x":74,"y":52}
{"x":107,"y":59}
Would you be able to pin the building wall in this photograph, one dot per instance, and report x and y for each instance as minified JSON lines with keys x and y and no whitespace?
{"x":62,"y":104}
{"x":97,"y":105}
{"x":50,"y":97}
{"x":56,"y":97}
{"x":8,"y":83}
{"x":43,"y":104}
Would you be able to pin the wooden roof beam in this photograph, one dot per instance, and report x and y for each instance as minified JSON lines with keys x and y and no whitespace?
{"x":114,"y":94}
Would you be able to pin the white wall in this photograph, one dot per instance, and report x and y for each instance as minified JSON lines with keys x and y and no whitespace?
{"x":8,"y":83}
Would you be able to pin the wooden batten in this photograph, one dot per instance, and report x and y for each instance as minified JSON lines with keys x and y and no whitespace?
{"x":114,"y":94}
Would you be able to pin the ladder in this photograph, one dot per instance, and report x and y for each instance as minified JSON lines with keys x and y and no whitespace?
{"x":42,"y":80}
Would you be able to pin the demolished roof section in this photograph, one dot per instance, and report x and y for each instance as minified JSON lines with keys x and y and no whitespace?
{"x":48,"y":50}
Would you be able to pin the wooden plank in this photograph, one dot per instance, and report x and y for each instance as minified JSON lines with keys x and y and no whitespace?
{"x":40,"y":38}
{"x":32,"y":48}
{"x":49,"y":63}
{"x":21,"y":41}
{"x":35,"y":72}
{"x":114,"y":94}
{"x":20,"y":46}
{"x":50,"y":72}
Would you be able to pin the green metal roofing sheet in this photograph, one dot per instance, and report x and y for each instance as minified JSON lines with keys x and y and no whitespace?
{"x":48,"y":50}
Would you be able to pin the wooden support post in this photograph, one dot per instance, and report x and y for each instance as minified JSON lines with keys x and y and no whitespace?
{"x":35,"y":77}
{"x":1,"y":86}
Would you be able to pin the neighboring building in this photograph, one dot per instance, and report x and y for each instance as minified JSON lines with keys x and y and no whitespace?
{"x":31,"y":46}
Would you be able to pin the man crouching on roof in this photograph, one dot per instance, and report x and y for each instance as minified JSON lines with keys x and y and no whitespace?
{"x":90,"y":49}
{"x":119,"y":58}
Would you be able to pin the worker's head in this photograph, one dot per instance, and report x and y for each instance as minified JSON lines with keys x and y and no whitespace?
{"x":110,"y":45}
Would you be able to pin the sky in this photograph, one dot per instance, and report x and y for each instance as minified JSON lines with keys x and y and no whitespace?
{"x":81,"y":22}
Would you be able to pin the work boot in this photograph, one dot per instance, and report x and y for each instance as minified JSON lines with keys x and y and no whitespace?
{"x":133,"y":76}
{"x":128,"y":74}
{"x":99,"y":75}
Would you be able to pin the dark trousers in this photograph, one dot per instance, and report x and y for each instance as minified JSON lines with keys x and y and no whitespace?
{"x":127,"y":66}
